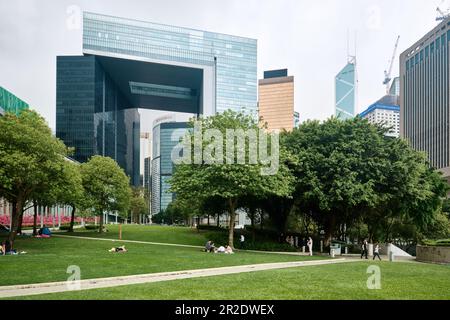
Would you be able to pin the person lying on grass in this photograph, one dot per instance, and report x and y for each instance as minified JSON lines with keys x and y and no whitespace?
{"x":118,"y":249}
{"x":7,"y":249}
{"x":226,"y":250}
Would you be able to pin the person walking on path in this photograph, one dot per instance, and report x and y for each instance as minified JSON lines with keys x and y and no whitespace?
{"x":242,"y":241}
{"x":376,"y":252}
{"x":364,"y":249}
{"x":310,"y":246}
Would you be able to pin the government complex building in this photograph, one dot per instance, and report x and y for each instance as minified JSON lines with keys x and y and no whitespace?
{"x":126,"y":65}
{"x":425,"y":96}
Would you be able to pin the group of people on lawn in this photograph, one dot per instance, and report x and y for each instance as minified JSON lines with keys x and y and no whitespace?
{"x":210,"y":247}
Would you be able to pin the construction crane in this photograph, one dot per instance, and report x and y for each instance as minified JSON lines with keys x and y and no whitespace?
{"x":442,"y":15}
{"x":387,"y":74}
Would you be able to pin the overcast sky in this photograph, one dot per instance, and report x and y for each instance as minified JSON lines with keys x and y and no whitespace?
{"x":307,"y":37}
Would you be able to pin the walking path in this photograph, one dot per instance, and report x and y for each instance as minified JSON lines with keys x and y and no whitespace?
{"x":172,"y":244}
{"x":54,"y":287}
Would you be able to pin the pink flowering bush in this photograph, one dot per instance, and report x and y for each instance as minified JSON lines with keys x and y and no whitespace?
{"x":28,"y":220}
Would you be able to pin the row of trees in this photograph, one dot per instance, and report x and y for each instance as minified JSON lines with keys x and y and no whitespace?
{"x":331,"y":174}
{"x":35,"y":171}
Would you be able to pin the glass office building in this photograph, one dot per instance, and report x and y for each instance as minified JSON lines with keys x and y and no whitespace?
{"x":232,"y":59}
{"x":128,"y":64}
{"x":345,"y":86}
{"x":165,"y":137}
{"x":10,"y":103}
{"x":93,"y":116}
{"x":425,"y":96}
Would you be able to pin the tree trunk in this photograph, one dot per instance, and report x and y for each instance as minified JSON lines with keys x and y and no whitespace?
{"x":218,"y":220}
{"x":35,"y":208}
{"x":16,"y":214}
{"x":208,"y":220}
{"x":72,"y":219}
{"x":19,"y":226}
{"x":101,"y":223}
{"x":232,"y":212}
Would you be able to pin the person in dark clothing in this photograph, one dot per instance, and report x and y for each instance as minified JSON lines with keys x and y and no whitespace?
{"x":7,"y":248}
{"x":364,"y":249}
{"x":209,"y":246}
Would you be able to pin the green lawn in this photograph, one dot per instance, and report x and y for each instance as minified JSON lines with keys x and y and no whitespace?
{"x":162,"y":234}
{"x":342,"y":282}
{"x":47,"y":259}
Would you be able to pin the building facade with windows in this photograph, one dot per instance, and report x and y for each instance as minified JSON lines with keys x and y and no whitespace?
{"x":425,"y":96}
{"x":10,"y":103}
{"x":386,"y":112}
{"x":276,"y":100}
{"x":166,"y":136}
{"x":128,"y":64}
{"x":345,"y":91}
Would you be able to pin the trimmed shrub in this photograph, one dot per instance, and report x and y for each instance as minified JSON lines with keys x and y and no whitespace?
{"x":91,"y":227}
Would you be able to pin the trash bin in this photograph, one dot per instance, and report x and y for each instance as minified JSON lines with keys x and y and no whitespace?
{"x":391,"y":256}
{"x":332,"y":253}
{"x":337,"y":248}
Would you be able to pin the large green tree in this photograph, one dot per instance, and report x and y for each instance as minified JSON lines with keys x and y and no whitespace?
{"x":106,"y":186}
{"x":70,"y":190}
{"x":350,"y":170}
{"x":228,"y":180}
{"x":30,"y":157}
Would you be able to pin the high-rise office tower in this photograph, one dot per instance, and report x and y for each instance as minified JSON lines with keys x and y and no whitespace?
{"x":166,"y":135}
{"x":276,"y":100}
{"x":128,"y":64}
{"x":345,"y":91}
{"x":10,"y":103}
{"x":425,"y":96}
{"x":395,"y":87}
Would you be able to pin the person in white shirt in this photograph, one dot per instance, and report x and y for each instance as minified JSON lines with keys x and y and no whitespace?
{"x":221,"y":249}
{"x":242,"y":240}
{"x":310,"y":246}
{"x":376,"y":252}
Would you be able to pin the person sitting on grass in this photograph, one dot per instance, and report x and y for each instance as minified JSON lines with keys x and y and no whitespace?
{"x":209,"y":246}
{"x":118,"y":249}
{"x":7,"y":248}
{"x":44,"y":232}
{"x":229,"y":250}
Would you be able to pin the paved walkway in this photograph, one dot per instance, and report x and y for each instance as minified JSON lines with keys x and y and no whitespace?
{"x":54,"y":287}
{"x":171,"y":244}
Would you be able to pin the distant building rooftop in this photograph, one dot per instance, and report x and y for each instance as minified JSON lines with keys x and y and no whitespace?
{"x":275,"y":73}
{"x":388,"y":102}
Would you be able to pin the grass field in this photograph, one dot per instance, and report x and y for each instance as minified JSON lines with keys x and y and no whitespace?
{"x":47,"y":260}
{"x":401,"y":280}
{"x":162,"y":234}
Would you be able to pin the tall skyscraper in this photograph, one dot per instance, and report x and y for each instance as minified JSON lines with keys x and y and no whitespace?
{"x":425,"y":96}
{"x":166,"y":135}
{"x":345,"y":91}
{"x":10,"y":103}
{"x":276,"y":100}
{"x":395,"y":87}
{"x":386,"y":112}
{"x":128,"y":64}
